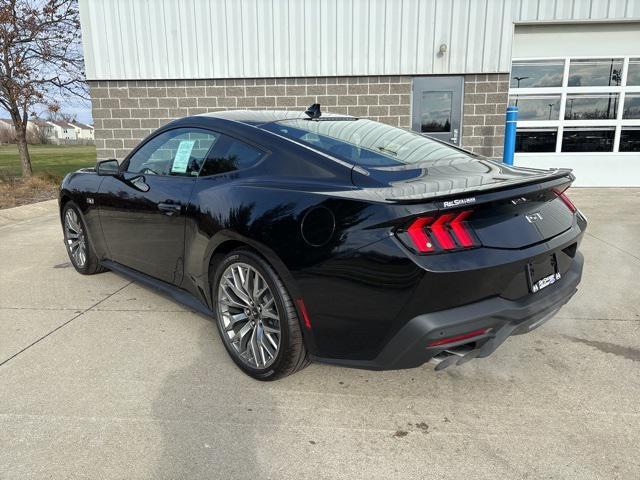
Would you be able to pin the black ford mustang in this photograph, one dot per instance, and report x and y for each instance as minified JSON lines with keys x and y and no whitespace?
{"x":336,"y":239}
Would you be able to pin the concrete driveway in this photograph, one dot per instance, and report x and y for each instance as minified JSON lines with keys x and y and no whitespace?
{"x":102,"y":378}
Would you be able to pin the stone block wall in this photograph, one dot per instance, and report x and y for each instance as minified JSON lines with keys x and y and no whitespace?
{"x":125,"y":112}
{"x":485,"y":103}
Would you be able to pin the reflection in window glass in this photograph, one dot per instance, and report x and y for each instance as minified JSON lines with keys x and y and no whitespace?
{"x":633,"y":73}
{"x":630,"y":139}
{"x":536,"y":140}
{"x":178,"y":152}
{"x":595,"y":73}
{"x":229,"y":155}
{"x":436,"y":111}
{"x":537,"y":73}
{"x":591,"y":106}
{"x":631,"y":106}
{"x":589,"y":139}
{"x":537,"y":107}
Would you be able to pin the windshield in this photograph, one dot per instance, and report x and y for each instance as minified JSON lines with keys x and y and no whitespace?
{"x":365,"y":142}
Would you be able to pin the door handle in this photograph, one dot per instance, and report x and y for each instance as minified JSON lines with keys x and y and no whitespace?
{"x":455,"y":135}
{"x":170,"y":208}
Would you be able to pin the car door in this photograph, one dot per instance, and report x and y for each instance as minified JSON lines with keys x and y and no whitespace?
{"x":142,"y":210}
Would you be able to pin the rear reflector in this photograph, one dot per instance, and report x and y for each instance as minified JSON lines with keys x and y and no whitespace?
{"x":303,"y":311}
{"x":458,"y":338}
{"x":446,"y":232}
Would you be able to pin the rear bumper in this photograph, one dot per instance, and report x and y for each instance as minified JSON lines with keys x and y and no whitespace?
{"x":501,"y":317}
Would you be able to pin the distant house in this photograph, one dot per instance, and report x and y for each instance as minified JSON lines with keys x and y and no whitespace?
{"x":6,"y":124}
{"x":64,"y":131}
{"x":7,"y":131}
{"x":42,"y":130}
{"x":83,"y":131}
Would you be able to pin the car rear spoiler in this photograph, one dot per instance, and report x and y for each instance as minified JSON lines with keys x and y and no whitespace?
{"x":543,"y":180}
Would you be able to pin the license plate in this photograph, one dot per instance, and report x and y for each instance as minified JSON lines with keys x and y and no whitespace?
{"x":542,"y":272}
{"x":545,"y":282}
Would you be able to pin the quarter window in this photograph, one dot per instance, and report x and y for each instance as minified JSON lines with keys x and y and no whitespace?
{"x":230,"y":154}
{"x":179,"y":152}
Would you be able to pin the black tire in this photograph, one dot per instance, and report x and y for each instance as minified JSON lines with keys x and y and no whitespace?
{"x":291,"y":355}
{"x":91,"y":264}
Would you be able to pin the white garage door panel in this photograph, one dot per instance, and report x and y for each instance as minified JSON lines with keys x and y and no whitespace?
{"x":582,"y":40}
{"x":591,"y":170}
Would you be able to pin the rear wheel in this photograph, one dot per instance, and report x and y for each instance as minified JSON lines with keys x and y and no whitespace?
{"x":78,"y":243}
{"x":256,"y":317}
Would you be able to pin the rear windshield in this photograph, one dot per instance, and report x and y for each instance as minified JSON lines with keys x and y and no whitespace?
{"x":365,"y":142}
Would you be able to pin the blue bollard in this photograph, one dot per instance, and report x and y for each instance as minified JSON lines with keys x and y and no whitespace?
{"x":510,"y":135}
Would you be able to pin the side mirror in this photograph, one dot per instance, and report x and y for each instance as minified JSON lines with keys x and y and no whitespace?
{"x":108,"y":167}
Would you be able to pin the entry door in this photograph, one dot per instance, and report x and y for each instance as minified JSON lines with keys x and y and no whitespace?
{"x":437,"y":107}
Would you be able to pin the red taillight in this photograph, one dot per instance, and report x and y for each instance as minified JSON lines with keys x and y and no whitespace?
{"x":448,"y":231}
{"x":419,"y":236}
{"x":440,"y":230}
{"x":458,"y":338}
{"x":460,"y":230}
{"x":567,"y":202}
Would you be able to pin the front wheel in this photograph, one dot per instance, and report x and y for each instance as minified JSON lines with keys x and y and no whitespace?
{"x":78,"y":244}
{"x":256,"y":317}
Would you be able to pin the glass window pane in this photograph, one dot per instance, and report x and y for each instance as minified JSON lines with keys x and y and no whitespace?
{"x":178,"y":152}
{"x":537,"y":73}
{"x":537,"y":107}
{"x":595,"y":73}
{"x":631,"y":105}
{"x":630,"y":139}
{"x":536,"y":140}
{"x":436,"y":111}
{"x":588,"y":139}
{"x":228,"y":155}
{"x":633,"y":73}
{"x":591,"y":106}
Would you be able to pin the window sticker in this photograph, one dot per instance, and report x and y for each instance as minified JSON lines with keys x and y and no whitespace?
{"x":183,"y":154}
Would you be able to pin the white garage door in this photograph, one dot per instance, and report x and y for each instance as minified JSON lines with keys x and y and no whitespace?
{"x":577,"y":88}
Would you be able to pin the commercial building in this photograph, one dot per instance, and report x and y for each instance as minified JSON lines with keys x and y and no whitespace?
{"x":447,"y":68}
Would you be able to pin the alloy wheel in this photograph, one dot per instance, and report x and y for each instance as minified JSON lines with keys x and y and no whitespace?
{"x":248,"y":315}
{"x":75,"y":238}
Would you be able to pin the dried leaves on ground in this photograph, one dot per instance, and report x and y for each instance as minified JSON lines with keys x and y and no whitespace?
{"x":22,"y":191}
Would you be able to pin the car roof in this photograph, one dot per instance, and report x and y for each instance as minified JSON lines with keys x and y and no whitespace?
{"x":259,"y":117}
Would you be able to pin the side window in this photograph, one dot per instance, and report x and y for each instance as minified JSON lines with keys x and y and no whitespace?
{"x":230,"y":154}
{"x":179,"y":152}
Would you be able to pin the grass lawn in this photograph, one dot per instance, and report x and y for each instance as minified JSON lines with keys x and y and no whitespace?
{"x":48,"y":160}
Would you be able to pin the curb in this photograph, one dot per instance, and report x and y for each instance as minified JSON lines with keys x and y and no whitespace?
{"x":24,"y":213}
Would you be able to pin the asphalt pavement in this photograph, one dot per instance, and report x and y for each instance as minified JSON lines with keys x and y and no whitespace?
{"x":102,"y":378}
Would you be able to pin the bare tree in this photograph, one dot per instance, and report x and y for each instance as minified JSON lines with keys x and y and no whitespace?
{"x":56,"y":114}
{"x":40,"y":60}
